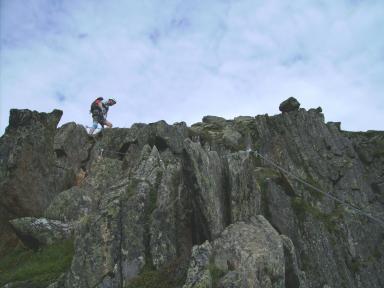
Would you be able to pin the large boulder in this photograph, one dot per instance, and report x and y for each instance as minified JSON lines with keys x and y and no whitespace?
{"x":291,"y":104}
{"x":244,"y":255}
{"x":254,"y":251}
{"x":36,"y":232}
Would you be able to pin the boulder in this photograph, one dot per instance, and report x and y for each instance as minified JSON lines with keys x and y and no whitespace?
{"x":244,"y":255}
{"x":291,"y":104}
{"x":36,"y":232}
{"x":254,"y":250}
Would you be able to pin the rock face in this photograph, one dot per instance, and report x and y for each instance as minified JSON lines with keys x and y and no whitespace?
{"x":37,"y":161}
{"x":27,"y":157}
{"x":201,"y":203}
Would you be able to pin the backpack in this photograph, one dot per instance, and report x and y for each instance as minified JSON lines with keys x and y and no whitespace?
{"x":94,"y":105}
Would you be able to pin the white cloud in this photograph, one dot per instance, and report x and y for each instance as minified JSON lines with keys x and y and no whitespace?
{"x":181,"y":60}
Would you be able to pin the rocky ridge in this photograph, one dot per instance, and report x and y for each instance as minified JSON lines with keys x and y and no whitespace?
{"x":198,"y":203}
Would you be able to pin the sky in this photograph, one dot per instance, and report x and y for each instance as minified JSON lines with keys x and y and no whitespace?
{"x":178,"y":60}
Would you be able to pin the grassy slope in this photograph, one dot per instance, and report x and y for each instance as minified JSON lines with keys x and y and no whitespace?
{"x":40,"y":268}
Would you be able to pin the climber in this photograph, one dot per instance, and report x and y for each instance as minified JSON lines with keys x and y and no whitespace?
{"x":99,"y":110}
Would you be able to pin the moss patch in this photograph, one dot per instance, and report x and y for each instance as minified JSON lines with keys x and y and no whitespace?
{"x":40,"y":268}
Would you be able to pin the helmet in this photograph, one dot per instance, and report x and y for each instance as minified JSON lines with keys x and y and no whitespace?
{"x":112,"y":100}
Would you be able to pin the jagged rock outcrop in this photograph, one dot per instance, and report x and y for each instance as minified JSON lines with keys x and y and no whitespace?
{"x":27,"y":160}
{"x":37,"y":161}
{"x":71,"y":146}
{"x":208,"y":204}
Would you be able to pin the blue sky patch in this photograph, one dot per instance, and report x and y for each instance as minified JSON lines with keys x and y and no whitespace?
{"x":182,"y":60}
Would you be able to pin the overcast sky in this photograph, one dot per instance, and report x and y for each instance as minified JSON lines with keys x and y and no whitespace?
{"x":181,"y":60}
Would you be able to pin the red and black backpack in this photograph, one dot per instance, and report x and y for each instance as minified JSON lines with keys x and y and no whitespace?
{"x":95,"y":104}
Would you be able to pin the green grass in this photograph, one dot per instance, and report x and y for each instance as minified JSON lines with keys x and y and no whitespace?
{"x":216,"y":274}
{"x":152,"y":279}
{"x":40,"y":268}
{"x":166,"y":277}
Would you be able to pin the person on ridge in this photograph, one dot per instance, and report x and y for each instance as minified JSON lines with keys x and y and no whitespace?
{"x":99,"y":110}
